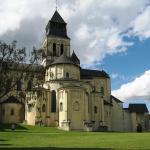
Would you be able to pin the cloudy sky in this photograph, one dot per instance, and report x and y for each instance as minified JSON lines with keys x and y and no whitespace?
{"x":113,"y":35}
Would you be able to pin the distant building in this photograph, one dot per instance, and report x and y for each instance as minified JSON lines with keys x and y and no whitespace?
{"x":68,"y":96}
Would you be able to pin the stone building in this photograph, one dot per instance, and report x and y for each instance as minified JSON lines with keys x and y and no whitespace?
{"x":70,"y":97}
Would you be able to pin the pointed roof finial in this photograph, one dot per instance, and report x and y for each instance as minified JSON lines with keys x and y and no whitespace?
{"x":56,"y":4}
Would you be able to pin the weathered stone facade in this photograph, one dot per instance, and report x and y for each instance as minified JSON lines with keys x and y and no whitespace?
{"x":69,"y":97}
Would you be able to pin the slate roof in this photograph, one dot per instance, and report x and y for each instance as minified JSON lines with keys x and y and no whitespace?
{"x":89,"y":74}
{"x":57,"y":18}
{"x":57,"y":26}
{"x":138,"y":108}
{"x":11,"y":99}
{"x":116,"y":99}
{"x":21,"y":66}
{"x":74,"y":58}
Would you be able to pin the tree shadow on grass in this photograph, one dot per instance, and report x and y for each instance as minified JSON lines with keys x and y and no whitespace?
{"x":54,"y":148}
{"x":3,"y":140}
{"x":2,"y":145}
{"x":7,"y":128}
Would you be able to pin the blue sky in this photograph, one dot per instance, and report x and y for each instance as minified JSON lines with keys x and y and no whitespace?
{"x":114,"y":36}
{"x":130,"y":64}
{"x":126,"y":67}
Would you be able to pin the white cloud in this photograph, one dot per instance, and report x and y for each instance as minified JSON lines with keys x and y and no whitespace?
{"x":141,"y":25}
{"x":137,"y":89}
{"x":94,"y":26}
{"x":114,"y":75}
{"x":83,"y":32}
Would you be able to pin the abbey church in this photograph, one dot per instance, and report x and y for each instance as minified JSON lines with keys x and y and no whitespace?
{"x":68,"y":96}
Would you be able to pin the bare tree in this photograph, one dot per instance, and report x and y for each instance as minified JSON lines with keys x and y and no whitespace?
{"x":16,"y":67}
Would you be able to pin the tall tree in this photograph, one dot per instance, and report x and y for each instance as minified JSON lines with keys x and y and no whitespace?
{"x":16,"y":66}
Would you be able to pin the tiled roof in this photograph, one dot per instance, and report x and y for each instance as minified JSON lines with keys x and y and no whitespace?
{"x":11,"y":99}
{"x":57,"y":18}
{"x":116,"y":99}
{"x":22,"y":66}
{"x":138,"y":108}
{"x":56,"y":27}
{"x":89,"y":74}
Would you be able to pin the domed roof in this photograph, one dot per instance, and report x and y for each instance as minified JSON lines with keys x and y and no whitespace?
{"x":63,"y":59}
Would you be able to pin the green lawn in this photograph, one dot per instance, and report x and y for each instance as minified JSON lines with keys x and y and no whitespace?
{"x":28,"y":137}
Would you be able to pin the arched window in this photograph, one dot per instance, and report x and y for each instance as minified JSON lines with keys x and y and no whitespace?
{"x":29,"y":86}
{"x":3,"y":112}
{"x":18,"y":85}
{"x":102,"y":90}
{"x":54,"y":49}
{"x":76,"y":106}
{"x":61,"y":49}
{"x":12,"y":112}
{"x":53,"y":101}
{"x":67,"y":75}
{"x":88,"y":101}
{"x":43,"y":108}
{"x":61,"y":106}
{"x":95,"y":110}
{"x":8,"y":85}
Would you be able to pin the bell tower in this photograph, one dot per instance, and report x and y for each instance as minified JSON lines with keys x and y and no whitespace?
{"x":56,"y":42}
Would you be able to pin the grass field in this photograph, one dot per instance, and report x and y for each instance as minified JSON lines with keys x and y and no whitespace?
{"x":28,"y":137}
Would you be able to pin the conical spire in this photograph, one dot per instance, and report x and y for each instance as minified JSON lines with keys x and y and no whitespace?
{"x":57,"y":26}
{"x":57,"y":18}
{"x":74,"y":58}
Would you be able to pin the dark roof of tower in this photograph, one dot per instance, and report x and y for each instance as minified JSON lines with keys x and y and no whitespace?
{"x":11,"y":99}
{"x":89,"y":74}
{"x":63,"y":60}
{"x":138,"y":108}
{"x":56,"y":26}
{"x":74,"y":58}
{"x":57,"y":18}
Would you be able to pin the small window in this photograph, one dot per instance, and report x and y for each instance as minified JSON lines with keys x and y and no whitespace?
{"x":3,"y":112}
{"x":18,"y":85}
{"x":8,"y":85}
{"x":12,"y":112}
{"x":102,"y":90}
{"x":54,"y":49}
{"x":53,"y":101}
{"x":95,"y":110}
{"x":94,"y":88}
{"x":43,"y":108}
{"x":76,"y":106}
{"x":29,"y":108}
{"x":61,"y":49}
{"x":67,"y":75}
{"x":29,"y":86}
{"x":61,"y":106}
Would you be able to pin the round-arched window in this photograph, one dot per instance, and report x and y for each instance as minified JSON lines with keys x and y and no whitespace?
{"x":95,"y":110}
{"x":12,"y":112}
{"x":43,"y":108}
{"x":67,"y":75}
{"x":53,"y":101}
